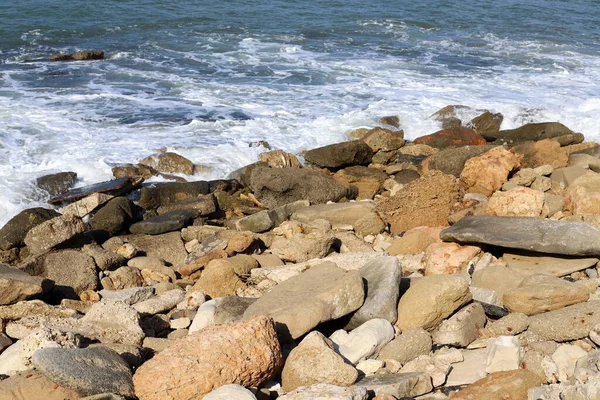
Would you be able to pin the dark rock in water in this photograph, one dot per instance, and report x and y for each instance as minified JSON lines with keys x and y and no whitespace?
{"x":493,"y":311}
{"x":204,"y":204}
{"x":170,"y":163}
{"x":339,"y":155}
{"x":115,"y":217}
{"x":79,"y":56}
{"x":56,"y":184}
{"x":391,"y":120}
{"x":528,"y":132}
{"x":167,"y":222}
{"x":93,"y":370}
{"x":162,"y":194}
{"x":131,"y":170}
{"x":450,"y":138}
{"x":13,"y":233}
{"x":260,"y":143}
{"x":116,"y":187}
{"x":452,"y":161}
{"x":276,"y":187}
{"x":487,"y":122}
{"x":527,"y":233}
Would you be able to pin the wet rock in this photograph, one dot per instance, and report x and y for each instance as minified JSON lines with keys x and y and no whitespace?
{"x":361,"y":215}
{"x":462,"y":328}
{"x":397,"y":385}
{"x":487,"y":173}
{"x":383,"y":139}
{"x":168,"y":222}
{"x":133,"y":171}
{"x":452,"y":137}
{"x":529,"y":132}
{"x":365,"y":341}
{"x":116,"y":187}
{"x":322,"y":293}
{"x":197,"y":364}
{"x":541,"y":235}
{"x":501,"y":386}
{"x":452,"y":161}
{"x":79,"y":56}
{"x":391,"y":120}
{"x":169,"y":162}
{"x":114,"y":217}
{"x":163,"y":194}
{"x":56,"y":184}
{"x":487,"y":122}
{"x":89,"y":371}
{"x":53,"y":232}
{"x":16,"y":285}
{"x":569,"y":323}
{"x":340,"y":155}
{"x":315,"y":361}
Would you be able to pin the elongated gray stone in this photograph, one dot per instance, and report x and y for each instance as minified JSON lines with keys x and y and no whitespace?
{"x":526,"y":233}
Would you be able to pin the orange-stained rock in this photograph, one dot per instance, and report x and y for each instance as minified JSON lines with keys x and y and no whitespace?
{"x":543,"y":152}
{"x":245,"y":353}
{"x":453,"y":137}
{"x":505,"y":385}
{"x":423,"y":202}
{"x":487,"y":173}
{"x":519,"y":201}
{"x":583,"y":195}
{"x":448,"y":258}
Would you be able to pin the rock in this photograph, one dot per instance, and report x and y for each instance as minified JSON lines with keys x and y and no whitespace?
{"x":323,"y":391}
{"x":79,"y":56}
{"x":503,"y":354}
{"x":154,"y":265}
{"x":257,"y":222}
{"x":449,"y":258}
{"x":320,"y":294}
{"x":114,"y":217}
{"x":497,"y":278}
{"x":163,"y":194}
{"x":202,"y":205}
{"x":53,"y":232}
{"x":23,"y":309}
{"x":163,"y":302}
{"x":315,"y":361}
{"x":11,"y":361}
{"x":195,"y":365}
{"x":436,"y":369}
{"x":470,"y":370}
{"x":462,"y":328}
{"x":544,"y":152}
{"x":452,"y":161}
{"x":391,"y":120}
{"x":488,"y":172}
{"x":529,"y":132}
{"x":452,"y":137}
{"x":565,"y":358}
{"x":85,"y":206}
{"x":112,"y":323}
{"x":525,"y":264}
{"x":279,"y":186}
{"x":541,"y":235}
{"x":303,"y":247}
{"x":424,"y":202}
{"x":564,"y":177}
{"x":168,"y":246}
{"x":384,"y":139}
{"x":382,"y":277}
{"x":363,"y":342}
{"x":16,"y":285}
{"x":412,"y":242}
{"x":397,"y":385}
{"x":228,"y":392}
{"x":508,"y":385}
{"x":540,"y":293}
{"x":105,"y":260}
{"x":123,"y":278}
{"x":116,"y":187}
{"x":89,"y":371}
{"x":569,"y":323}
{"x":583,"y":195}
{"x":518,"y":201}
{"x":223,"y":277}
{"x":169,"y":163}
{"x":338,"y":155}
{"x":487,"y":122}
{"x":133,"y":171}
{"x":128,"y":296}
{"x":513,"y":324}
{"x":431,"y":299}
{"x":14,"y":231}
{"x":408,"y":346}
{"x":279,"y":159}
{"x":33,"y":385}
{"x":72,"y":272}
{"x":361,"y":215}
{"x":168,"y":222}
{"x":231,"y":309}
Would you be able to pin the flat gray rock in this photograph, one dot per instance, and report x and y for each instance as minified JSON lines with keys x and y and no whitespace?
{"x":526,"y":233}
{"x":167,"y":222}
{"x":128,"y":296}
{"x":89,"y":371}
{"x":558,"y":266}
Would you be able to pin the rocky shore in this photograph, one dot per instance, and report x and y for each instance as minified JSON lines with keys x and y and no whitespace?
{"x":462,"y":265}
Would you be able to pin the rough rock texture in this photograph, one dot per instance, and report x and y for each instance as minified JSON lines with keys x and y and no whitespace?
{"x":408,"y":346}
{"x":221,"y":277}
{"x":423,"y":202}
{"x":195,"y":365}
{"x":279,"y":186}
{"x":569,"y":323}
{"x":169,"y":162}
{"x":361,"y":215}
{"x":313,"y":361}
{"x":452,"y":161}
{"x":365,"y":341}
{"x":53,"y":232}
{"x":512,"y":324}
{"x":488,"y":172}
{"x":322,"y":293}
{"x":229,"y":392}
{"x":384,"y":139}
{"x":519,"y":201}
{"x":583,"y":195}
{"x":462,"y":328}
{"x":14,"y":231}
{"x":33,"y":385}
{"x":544,"y":152}
{"x":303,"y":247}
{"x":115,"y":217}
{"x":455,"y":137}
{"x":339,"y":155}
{"x":448,"y":258}
{"x":83,"y":207}
{"x":16,"y":285}
{"x":89,"y":371}
{"x":168,"y":246}
{"x":541,"y":235}
{"x":397,"y":385}
{"x":507,"y":385}
{"x":487,"y":122}
{"x":431,"y":299}
{"x":56,"y":184}
{"x":72,"y":272}
{"x":529,"y":132}
{"x":323,"y":391}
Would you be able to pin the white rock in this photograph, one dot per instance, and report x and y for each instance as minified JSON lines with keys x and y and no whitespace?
{"x":163,"y":302}
{"x":449,"y":355}
{"x":485,"y":295}
{"x":11,"y":361}
{"x":46,"y":338}
{"x":462,"y":328}
{"x":365,"y":341}
{"x":193,"y":300}
{"x":205,"y":315}
{"x":550,"y":370}
{"x":437,"y":370}
{"x":230,"y":392}
{"x":503,"y":354}
{"x":369,"y":367}
{"x":128,"y":296}
{"x":470,"y":370}
{"x":324,"y":391}
{"x":180,"y":323}
{"x":565,"y":358}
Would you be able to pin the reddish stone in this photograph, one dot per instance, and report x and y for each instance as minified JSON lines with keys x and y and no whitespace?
{"x":454,"y":137}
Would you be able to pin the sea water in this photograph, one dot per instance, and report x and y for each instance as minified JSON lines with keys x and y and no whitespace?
{"x":206,"y":79}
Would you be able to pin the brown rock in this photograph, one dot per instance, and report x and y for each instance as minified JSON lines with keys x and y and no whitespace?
{"x":452,"y":161}
{"x":583,"y":194}
{"x":52,"y":233}
{"x":391,"y":120}
{"x":80,"y":55}
{"x":519,"y":201}
{"x":487,"y":173}
{"x":201,"y":262}
{"x":279,"y":159}
{"x":423,"y":202}
{"x":487,"y":122}
{"x":505,"y":385}
{"x":14,"y":231}
{"x":16,"y":285}
{"x":170,"y":163}
{"x":412,"y":242}
{"x":125,"y":277}
{"x":384,"y":139}
{"x":448,"y":258}
{"x":369,"y":181}
{"x":450,"y":138}
{"x":339,"y":155}
{"x":33,"y":385}
{"x":168,"y":246}
{"x":529,"y":132}
{"x":245,"y":353}
{"x":130,"y":170}
{"x":222,"y":277}
{"x":544,"y":152}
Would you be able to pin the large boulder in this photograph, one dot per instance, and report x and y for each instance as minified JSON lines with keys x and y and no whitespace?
{"x":14,"y":231}
{"x":544,"y":152}
{"x":33,"y":385}
{"x":487,"y":173}
{"x":384,"y":139}
{"x":583,"y":194}
{"x":53,"y":232}
{"x":452,"y":161}
{"x":423,"y":202}
{"x":339,"y":155}
{"x":322,"y":293}
{"x":72,"y":272}
{"x":170,"y":163}
{"x":115,"y":216}
{"x":279,"y":186}
{"x":195,"y":365}
{"x":453,"y":137}
{"x":168,"y":246}
{"x":162,"y":194}
{"x":16,"y":285}
{"x":56,"y":184}
{"x":361,"y":215}
{"x":529,"y":132}
{"x":534,"y":234}
{"x":566,"y":324}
